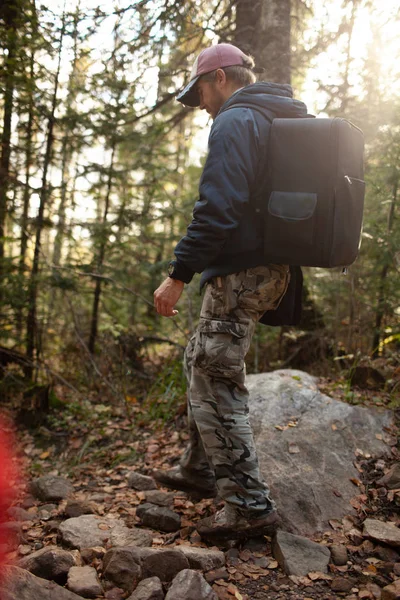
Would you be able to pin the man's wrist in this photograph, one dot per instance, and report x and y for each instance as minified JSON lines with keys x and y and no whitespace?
{"x":180,"y":272}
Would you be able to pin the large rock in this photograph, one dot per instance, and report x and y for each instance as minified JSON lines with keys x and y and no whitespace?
{"x":298,"y":556}
{"x":19,"y":584}
{"x":160,"y":518}
{"x":308,"y":466}
{"x":84,"y":581}
{"x":122,"y":567}
{"x":140,"y":482}
{"x":203,"y":559}
{"x":90,"y":530}
{"x":387,"y":533}
{"x":161,"y":563}
{"x":51,"y":487}
{"x":49,"y":563}
{"x":148,"y":589}
{"x":190,"y":585}
{"x":391,"y":591}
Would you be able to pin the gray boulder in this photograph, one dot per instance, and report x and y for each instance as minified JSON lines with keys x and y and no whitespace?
{"x":165,"y":564}
{"x":298,"y":556}
{"x":381,"y":531}
{"x":148,"y":589}
{"x":202,"y":558}
{"x":308,"y":465}
{"x":122,"y":567}
{"x":190,"y":585}
{"x":160,"y":518}
{"x":84,"y":581}
{"x":140,"y":482}
{"x":51,"y":487}
{"x":90,"y":530}
{"x":49,"y":563}
{"x":18,"y":584}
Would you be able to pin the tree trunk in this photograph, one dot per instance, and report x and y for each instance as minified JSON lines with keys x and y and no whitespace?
{"x":26,"y":196}
{"x":31,"y":325}
{"x":381,"y":306}
{"x":263,"y":30}
{"x":9,"y":12}
{"x":102,"y":251}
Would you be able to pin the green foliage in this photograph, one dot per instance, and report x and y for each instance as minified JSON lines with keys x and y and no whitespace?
{"x":166,"y":394}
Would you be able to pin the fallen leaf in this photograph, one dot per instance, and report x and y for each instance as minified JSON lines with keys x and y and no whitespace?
{"x":356,"y":481}
{"x":273,"y":564}
{"x":334,"y":427}
{"x":44,"y":455}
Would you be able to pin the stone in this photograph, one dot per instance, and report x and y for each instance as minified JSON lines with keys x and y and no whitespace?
{"x":386,"y":554}
{"x":90,"y":554}
{"x":17,"y":513}
{"x":341,"y":584}
{"x":91,"y":530}
{"x":381,"y":531}
{"x":165,"y":564}
{"x":314,"y":485}
{"x":392,"y":478}
{"x":160,"y":518}
{"x":140,"y":482}
{"x":122,"y":567}
{"x":202,"y":558}
{"x":216,"y":574}
{"x":77,"y":508}
{"x":148,"y":589}
{"x":338,"y":554}
{"x":114,"y":594}
{"x":160,"y":498}
{"x":19,"y":584}
{"x":51,"y":487}
{"x":50,"y":562}
{"x":11,"y":532}
{"x":298,"y":556}
{"x":391,"y":591}
{"x":84,"y":581}
{"x":190,"y":585}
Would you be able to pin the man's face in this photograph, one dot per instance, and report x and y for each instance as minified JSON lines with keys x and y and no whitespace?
{"x":211,"y":96}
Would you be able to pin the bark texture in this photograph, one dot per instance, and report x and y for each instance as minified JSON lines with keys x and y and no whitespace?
{"x":263,"y":30}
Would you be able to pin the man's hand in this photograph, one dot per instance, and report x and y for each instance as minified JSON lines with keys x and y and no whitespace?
{"x":167,"y":295}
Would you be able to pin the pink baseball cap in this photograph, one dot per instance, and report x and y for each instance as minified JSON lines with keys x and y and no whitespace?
{"x":210,"y":59}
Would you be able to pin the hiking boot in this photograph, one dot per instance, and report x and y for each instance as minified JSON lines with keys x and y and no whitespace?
{"x":188,"y":481}
{"x":227,"y":524}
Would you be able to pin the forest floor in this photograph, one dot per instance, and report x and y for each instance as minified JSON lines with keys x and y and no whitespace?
{"x":97,"y":446}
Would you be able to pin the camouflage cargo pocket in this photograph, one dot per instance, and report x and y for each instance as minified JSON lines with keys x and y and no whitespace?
{"x":221,"y":347}
{"x":263,"y":288}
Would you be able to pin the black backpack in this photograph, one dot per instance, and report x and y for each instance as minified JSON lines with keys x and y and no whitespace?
{"x":314,"y":206}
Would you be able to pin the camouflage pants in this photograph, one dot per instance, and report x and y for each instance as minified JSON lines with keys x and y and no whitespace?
{"x":221,"y":445}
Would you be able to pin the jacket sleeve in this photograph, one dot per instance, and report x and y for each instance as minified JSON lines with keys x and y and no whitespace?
{"x":228,"y":176}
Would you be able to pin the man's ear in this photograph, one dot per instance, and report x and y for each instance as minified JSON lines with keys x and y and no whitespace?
{"x":220,"y":76}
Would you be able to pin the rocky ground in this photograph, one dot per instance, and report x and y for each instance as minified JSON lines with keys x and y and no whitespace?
{"x":89,"y":522}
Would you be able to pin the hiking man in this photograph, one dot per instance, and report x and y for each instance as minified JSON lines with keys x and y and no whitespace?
{"x":224,"y":242}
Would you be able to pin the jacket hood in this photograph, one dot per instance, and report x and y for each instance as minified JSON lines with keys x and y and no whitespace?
{"x":269,"y":97}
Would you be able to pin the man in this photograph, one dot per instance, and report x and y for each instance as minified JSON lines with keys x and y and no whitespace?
{"x":224,"y":242}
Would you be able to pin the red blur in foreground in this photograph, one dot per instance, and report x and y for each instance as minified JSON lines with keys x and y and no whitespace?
{"x":7,"y":480}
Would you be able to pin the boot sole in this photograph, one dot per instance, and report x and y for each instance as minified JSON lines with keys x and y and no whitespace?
{"x":186,"y":487}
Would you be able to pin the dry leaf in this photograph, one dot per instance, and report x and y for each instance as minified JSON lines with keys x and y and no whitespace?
{"x":103,"y":526}
{"x":279,"y":427}
{"x":44,"y":455}
{"x":334,"y":427}
{"x":356,"y":481}
{"x":273,"y":564}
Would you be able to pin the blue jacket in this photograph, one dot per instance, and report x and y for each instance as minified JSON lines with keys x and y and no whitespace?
{"x":225,"y":235}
